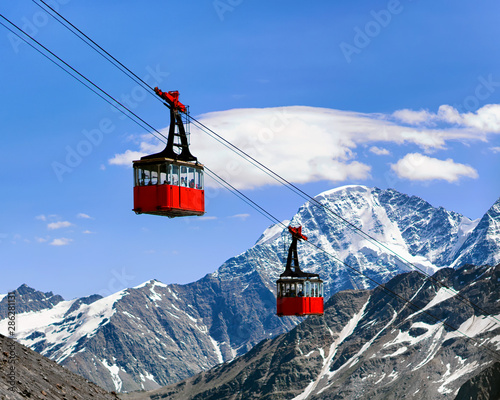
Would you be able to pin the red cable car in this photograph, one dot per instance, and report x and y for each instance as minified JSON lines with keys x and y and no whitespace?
{"x":298,"y":293}
{"x":170,"y":183}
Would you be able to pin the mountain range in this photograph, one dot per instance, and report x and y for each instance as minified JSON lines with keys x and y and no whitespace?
{"x":155,"y":334}
{"x":372,"y":344}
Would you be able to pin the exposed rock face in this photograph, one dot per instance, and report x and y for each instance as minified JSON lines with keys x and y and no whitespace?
{"x":37,"y":377}
{"x":483,"y":243}
{"x":371,"y":345}
{"x":483,"y":386}
{"x":28,"y":299}
{"x":157,"y":334}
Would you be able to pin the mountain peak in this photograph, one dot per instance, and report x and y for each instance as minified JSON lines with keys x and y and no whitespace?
{"x":346,"y":189}
{"x":272,"y":232}
{"x":29,"y":299}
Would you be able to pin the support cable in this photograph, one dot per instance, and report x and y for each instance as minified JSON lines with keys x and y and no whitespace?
{"x":92,"y":44}
{"x":131,"y":115}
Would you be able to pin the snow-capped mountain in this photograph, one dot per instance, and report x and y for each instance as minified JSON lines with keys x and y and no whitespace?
{"x":157,"y":334}
{"x":372,"y":345}
{"x":484,"y":242}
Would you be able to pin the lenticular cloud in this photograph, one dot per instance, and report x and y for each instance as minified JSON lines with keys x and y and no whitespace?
{"x":307,"y":144}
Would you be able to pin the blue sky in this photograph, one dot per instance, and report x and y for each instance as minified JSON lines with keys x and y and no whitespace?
{"x":402,"y":94}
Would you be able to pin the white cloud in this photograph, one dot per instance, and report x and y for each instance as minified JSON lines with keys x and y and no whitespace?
{"x":418,"y":167}
{"x":495,"y":149}
{"x":379,"y":151}
{"x":41,"y":217}
{"x":84,"y":216}
{"x":61,"y":242}
{"x":243,"y":217}
{"x":59,"y":225}
{"x":87,"y":232}
{"x":414,"y":117}
{"x":485,"y":119}
{"x":206,"y":218}
{"x":126,"y":158}
{"x":41,"y":240}
{"x":307,"y":144}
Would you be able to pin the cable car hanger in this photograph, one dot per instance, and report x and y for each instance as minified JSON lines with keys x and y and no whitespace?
{"x":170,"y":183}
{"x":298,"y":293}
{"x":136,"y":120}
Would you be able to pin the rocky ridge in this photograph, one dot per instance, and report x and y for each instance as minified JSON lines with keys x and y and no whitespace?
{"x":155,"y":334}
{"x":371,"y":345}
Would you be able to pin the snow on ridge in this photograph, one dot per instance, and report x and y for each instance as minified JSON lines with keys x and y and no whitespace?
{"x":155,"y":296}
{"x":272,"y":232}
{"x":32,"y":321}
{"x":114,"y":371}
{"x":325,"y":370}
{"x":350,"y":188}
{"x":159,"y":284}
{"x":218,"y":353}
{"x":94,"y":316}
{"x":2,"y":296}
{"x":143,"y":284}
{"x":55,"y":329}
{"x":442,"y":294}
{"x":449,"y":376}
{"x":475,"y":325}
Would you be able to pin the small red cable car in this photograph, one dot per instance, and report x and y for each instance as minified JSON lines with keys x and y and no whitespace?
{"x":170,"y":183}
{"x":298,"y":293}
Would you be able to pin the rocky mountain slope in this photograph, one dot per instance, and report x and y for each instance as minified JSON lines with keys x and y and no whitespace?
{"x":483,"y":386}
{"x":36,"y":377}
{"x":370,"y":345}
{"x":157,"y":334}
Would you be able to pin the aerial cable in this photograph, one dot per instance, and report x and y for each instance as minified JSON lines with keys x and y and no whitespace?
{"x":228,"y":144}
{"x":112,"y":99}
{"x":85,"y":38}
{"x":382,"y":286}
{"x":317,"y":203}
{"x":92,"y":44}
{"x":395,"y":295}
{"x":227,"y":185}
{"x":245,"y":198}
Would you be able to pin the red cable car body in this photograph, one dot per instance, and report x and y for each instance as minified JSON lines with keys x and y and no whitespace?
{"x":298,"y":293}
{"x":170,"y":183}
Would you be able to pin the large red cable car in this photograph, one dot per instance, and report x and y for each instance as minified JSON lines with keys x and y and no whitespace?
{"x":298,"y":293}
{"x":170,"y":183}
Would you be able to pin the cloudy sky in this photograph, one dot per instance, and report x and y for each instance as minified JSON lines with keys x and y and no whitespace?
{"x":394,"y":94}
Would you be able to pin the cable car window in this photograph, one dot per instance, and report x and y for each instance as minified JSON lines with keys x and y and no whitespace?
{"x":173,"y":174}
{"x":163,"y":174}
{"x":321,"y":290}
{"x":184,"y":176}
{"x":199,"y":179}
{"x":307,"y":289}
{"x":145,"y":177}
{"x":300,"y":290}
{"x":154,"y":176}
{"x":190,"y":178}
{"x":136,"y":176}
